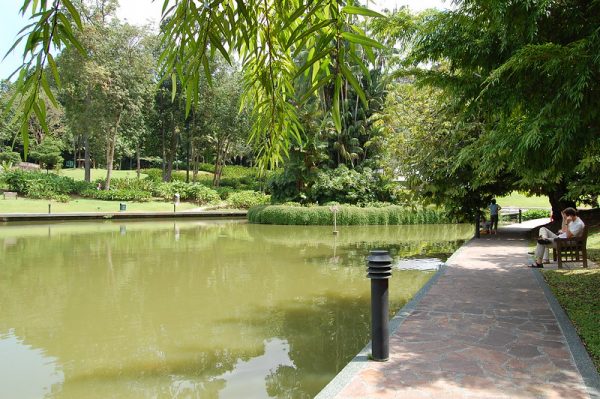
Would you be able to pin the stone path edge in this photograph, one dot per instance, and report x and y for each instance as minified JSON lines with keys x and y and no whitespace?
{"x":362,"y":358}
{"x":580,"y":355}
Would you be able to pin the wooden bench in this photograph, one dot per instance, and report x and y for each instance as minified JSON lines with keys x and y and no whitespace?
{"x":10,"y":194}
{"x":570,"y":249}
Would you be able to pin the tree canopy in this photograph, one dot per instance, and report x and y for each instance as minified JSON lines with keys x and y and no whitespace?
{"x":269,"y":36}
{"x":523,"y":77}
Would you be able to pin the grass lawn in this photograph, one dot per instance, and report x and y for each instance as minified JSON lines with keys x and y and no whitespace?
{"x":577,"y":291}
{"x":78,"y":174}
{"x":26,"y":205}
{"x":518,"y":200}
{"x":578,"y":294}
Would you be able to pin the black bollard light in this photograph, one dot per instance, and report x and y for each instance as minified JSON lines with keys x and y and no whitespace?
{"x":49,"y":209}
{"x":520,"y":216}
{"x":379,"y":271}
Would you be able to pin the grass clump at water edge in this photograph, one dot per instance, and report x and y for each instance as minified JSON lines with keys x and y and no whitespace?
{"x":346,"y":215}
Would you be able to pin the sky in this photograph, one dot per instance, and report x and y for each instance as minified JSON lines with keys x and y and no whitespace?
{"x":138,"y":12}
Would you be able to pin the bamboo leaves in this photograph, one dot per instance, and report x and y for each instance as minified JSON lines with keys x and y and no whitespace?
{"x":267,"y":36}
{"x":49,"y":31}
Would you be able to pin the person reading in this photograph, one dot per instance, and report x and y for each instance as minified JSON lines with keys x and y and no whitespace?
{"x":573,"y":226}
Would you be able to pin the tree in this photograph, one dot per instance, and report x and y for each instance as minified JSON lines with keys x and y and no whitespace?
{"x":267,"y":34}
{"x":220,"y":119}
{"x":107,"y":91}
{"x":423,"y":137}
{"x":524,"y":77}
{"x":47,"y":153}
{"x":168,"y":121}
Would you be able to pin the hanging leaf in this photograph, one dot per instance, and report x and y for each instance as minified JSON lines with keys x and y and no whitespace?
{"x":354,"y":10}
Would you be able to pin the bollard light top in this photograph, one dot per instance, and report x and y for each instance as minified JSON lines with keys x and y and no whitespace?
{"x":379,"y":256}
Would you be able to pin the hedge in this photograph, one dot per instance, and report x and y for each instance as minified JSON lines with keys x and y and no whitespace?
{"x":346,"y":215}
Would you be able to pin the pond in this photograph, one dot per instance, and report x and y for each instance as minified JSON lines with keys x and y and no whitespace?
{"x":194,"y":309}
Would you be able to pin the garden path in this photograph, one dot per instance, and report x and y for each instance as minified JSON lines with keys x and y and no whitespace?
{"x":488,"y":327}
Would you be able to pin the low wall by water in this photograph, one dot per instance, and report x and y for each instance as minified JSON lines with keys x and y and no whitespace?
{"x":25,"y":217}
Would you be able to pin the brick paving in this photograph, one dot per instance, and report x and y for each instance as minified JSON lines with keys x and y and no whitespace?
{"x":484,"y":330}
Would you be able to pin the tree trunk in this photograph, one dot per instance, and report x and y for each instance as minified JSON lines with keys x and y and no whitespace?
{"x":75,"y":152}
{"x":164,"y":154}
{"x":194,"y":158}
{"x":87,"y":163}
{"x":172,"y":151}
{"x":187,"y":162}
{"x":221,"y":153}
{"x":110,"y":151}
{"x":558,"y":203}
{"x":138,"y":161}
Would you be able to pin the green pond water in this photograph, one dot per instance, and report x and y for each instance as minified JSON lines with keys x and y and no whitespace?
{"x":193,"y":309}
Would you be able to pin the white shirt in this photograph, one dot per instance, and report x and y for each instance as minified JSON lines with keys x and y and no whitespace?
{"x":575,"y":227}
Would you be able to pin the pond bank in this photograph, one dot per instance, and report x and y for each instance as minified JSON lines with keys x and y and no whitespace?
{"x":487,"y":327}
{"x":26,"y":217}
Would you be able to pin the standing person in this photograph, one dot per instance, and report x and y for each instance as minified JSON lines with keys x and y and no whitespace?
{"x":494,"y":209}
{"x":574,"y":228}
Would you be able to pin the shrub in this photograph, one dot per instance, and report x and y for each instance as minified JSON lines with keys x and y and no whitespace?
{"x":531,"y":214}
{"x":347,"y":186}
{"x":79,"y":186}
{"x":347,"y":215}
{"x":153,"y":174}
{"x":10,"y":157}
{"x":224,"y":192}
{"x":247,"y":199}
{"x":202,"y":194}
{"x":118,"y":195}
{"x":35,"y":184}
{"x":187,"y":191}
{"x":129,"y":184}
{"x":156,"y":175}
{"x":168,"y":190}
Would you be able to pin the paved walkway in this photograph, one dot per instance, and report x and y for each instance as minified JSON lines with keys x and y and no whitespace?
{"x":486,"y":328}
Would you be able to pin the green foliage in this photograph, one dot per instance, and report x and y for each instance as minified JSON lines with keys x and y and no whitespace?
{"x":224,"y":192}
{"x":187,"y":191}
{"x":48,"y":153}
{"x":202,"y":194}
{"x":153,"y":174}
{"x":326,"y":34}
{"x":10,"y":157}
{"x":122,"y":194}
{"x":207,"y":167}
{"x":347,"y":186}
{"x":531,"y":102}
{"x":346,"y":215}
{"x":247,"y":199}
{"x":156,"y":175}
{"x":126,"y":189}
{"x":43,"y":185}
{"x":531,"y":214}
{"x":129,"y":183}
{"x":577,"y":292}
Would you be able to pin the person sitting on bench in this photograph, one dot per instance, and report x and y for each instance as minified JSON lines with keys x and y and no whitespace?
{"x":572,"y":227}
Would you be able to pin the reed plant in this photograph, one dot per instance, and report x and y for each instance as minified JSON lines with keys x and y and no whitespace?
{"x":346,"y":215}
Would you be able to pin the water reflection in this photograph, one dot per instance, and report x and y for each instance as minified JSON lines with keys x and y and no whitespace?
{"x":195,"y":308}
{"x":26,"y":372}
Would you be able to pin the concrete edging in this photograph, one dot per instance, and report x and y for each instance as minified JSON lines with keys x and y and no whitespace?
{"x":28,"y":217}
{"x":582,"y":359}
